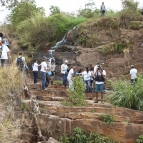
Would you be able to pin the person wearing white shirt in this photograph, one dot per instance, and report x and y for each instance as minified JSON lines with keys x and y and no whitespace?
{"x":86,"y":77}
{"x":35,"y":71}
{"x":70,"y":77}
{"x":5,"y":54}
{"x":133,"y":74}
{"x":43,"y":72}
{"x":102,"y":9}
{"x":64,"y":69}
{"x":99,"y":83}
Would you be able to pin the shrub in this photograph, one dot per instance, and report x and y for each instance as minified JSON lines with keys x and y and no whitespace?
{"x":80,"y":136}
{"x":127,"y":95}
{"x":140,"y":139}
{"x":76,"y":96}
{"x":107,"y":118}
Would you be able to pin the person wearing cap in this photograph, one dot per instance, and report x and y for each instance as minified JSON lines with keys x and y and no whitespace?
{"x":133,"y":74}
{"x":43,"y":72}
{"x":64,"y":69}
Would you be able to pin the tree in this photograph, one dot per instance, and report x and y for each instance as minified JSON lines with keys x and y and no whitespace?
{"x":24,"y":10}
{"x":54,"y":10}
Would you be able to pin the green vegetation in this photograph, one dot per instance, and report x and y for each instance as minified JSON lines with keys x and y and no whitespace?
{"x":80,"y":136}
{"x":24,"y":107}
{"x":76,"y":96}
{"x":127,"y":95}
{"x":107,"y":118}
{"x":24,"y":11}
{"x":117,"y":47}
{"x":57,"y":82}
{"x":140,"y":139}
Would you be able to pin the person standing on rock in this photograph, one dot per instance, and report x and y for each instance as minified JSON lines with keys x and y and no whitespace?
{"x":52,"y":67}
{"x":133,"y":74}
{"x":35,"y":71}
{"x":22,"y":65}
{"x":102,"y":9}
{"x":70,"y":77}
{"x":4,"y":53}
{"x":64,"y":69}
{"x":99,"y":83}
{"x":86,"y":77}
{"x":43,"y":72}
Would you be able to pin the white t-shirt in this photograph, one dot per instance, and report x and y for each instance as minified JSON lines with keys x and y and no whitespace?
{"x":0,"y":39}
{"x":35,"y":67}
{"x":5,"y":49}
{"x":43,"y":66}
{"x":101,"y":82}
{"x":133,"y":73}
{"x":71,"y":72}
{"x":86,"y":76}
{"x":64,"y":68}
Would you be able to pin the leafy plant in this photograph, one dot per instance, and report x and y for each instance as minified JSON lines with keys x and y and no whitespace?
{"x":77,"y":96}
{"x":24,"y":107}
{"x":107,"y":118}
{"x":80,"y":136}
{"x":127,"y":95}
{"x":140,"y":139}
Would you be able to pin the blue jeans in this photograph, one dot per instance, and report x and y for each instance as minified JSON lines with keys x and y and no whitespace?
{"x":43,"y":74}
{"x":64,"y":79}
{"x":35,"y":73}
{"x":88,"y":86}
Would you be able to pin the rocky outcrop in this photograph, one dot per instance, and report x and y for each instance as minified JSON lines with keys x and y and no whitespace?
{"x":56,"y":119}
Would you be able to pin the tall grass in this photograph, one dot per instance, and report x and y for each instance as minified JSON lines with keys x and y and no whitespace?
{"x":10,"y":82}
{"x":127,"y":95}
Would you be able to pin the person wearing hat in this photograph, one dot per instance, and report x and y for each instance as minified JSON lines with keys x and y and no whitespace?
{"x":43,"y":71}
{"x":133,"y":74}
{"x":64,"y":69}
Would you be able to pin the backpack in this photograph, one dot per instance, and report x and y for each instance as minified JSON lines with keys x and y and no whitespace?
{"x":1,"y":48}
{"x":20,"y":63}
{"x":99,"y":78}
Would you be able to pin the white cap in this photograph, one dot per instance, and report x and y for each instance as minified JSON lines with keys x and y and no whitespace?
{"x":65,"y":61}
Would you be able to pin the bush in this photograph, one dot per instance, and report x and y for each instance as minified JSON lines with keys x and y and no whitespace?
{"x":80,"y":136}
{"x":107,"y":118}
{"x":127,"y":95}
{"x":38,"y":31}
{"x":140,"y":139}
{"x":76,"y":96}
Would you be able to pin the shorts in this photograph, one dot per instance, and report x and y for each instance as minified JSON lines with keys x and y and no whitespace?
{"x":99,"y":87}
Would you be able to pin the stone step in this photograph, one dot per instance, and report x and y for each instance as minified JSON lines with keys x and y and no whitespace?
{"x":49,"y":98}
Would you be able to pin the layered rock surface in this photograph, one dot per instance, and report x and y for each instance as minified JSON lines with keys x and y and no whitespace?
{"x":56,"y":119}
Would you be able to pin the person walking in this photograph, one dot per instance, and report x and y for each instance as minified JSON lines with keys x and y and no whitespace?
{"x":4,"y":53}
{"x":133,"y":74}
{"x":86,"y":77}
{"x":102,"y":9}
{"x":70,"y":77}
{"x":64,"y":69}
{"x":22,"y":66}
{"x":43,"y":72}
{"x":99,"y":83}
{"x":35,"y":71}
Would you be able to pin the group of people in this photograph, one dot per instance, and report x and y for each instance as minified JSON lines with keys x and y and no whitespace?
{"x":47,"y":71}
{"x":93,"y":77}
